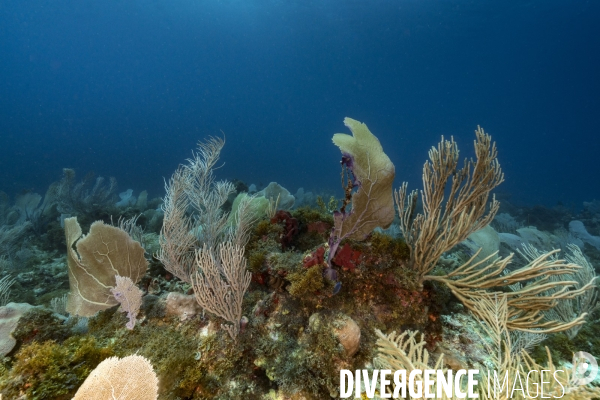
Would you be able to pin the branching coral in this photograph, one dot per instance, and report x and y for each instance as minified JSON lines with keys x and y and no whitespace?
{"x":406,"y":352}
{"x":85,"y":197}
{"x":526,"y":304}
{"x":445,"y":224}
{"x":194,"y":187}
{"x":583,"y":278}
{"x":221,"y":282}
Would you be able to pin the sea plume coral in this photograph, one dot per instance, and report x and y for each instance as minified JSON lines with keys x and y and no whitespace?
{"x":449,"y":218}
{"x":193,"y":188}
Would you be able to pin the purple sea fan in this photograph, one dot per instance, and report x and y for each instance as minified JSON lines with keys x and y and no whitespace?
{"x":130,"y":298}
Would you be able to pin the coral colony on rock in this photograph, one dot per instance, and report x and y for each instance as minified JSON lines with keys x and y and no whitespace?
{"x":219,"y":292}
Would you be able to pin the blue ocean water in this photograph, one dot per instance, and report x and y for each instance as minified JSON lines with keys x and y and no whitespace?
{"x":126,"y":88}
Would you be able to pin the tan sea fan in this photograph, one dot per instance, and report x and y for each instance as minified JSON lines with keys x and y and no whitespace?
{"x":129,"y":378}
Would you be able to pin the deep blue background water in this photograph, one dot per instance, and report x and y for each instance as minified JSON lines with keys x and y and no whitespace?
{"x":126,"y":88}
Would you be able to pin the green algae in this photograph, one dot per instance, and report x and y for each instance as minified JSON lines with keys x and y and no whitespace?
{"x":49,"y":370}
{"x":40,"y":325}
{"x":306,"y":281}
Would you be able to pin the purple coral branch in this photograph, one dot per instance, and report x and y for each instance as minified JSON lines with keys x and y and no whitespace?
{"x":123,"y":292}
{"x":334,"y":240}
{"x":348,"y":161}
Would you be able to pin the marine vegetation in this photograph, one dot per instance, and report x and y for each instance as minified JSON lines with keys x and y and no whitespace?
{"x":223,"y":294}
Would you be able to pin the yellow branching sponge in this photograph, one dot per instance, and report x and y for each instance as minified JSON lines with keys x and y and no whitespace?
{"x":129,"y":378}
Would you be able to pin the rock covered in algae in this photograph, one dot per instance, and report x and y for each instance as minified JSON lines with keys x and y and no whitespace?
{"x":9,"y":319}
{"x":182,"y":305}
{"x":343,"y":328}
{"x":348,"y":334}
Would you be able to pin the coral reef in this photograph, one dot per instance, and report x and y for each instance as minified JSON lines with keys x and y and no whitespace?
{"x":270,"y":275}
{"x":49,"y":370}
